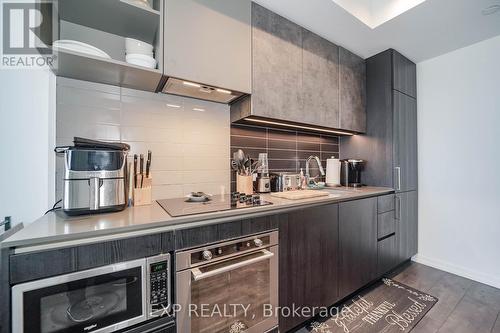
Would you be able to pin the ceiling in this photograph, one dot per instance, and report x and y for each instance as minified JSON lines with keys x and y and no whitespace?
{"x":425,"y":31}
{"x":376,"y":12}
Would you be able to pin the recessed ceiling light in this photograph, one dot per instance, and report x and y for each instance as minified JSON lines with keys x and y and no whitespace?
{"x":173,"y":106}
{"x":198,"y":109}
{"x":491,"y":10}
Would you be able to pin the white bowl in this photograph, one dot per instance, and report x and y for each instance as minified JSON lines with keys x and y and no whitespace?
{"x":135,"y":46}
{"x":141,"y":60}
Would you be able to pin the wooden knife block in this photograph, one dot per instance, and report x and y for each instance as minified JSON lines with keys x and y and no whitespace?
{"x":143,"y":196}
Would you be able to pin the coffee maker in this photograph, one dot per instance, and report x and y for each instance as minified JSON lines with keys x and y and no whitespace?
{"x":350,"y":174}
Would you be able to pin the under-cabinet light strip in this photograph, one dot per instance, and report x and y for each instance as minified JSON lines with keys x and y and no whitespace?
{"x":297,"y":126}
{"x":191,"y":84}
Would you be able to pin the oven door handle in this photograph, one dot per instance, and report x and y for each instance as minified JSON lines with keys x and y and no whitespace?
{"x":198,"y":275}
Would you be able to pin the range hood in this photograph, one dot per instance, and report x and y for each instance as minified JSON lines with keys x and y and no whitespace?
{"x":200,"y":91}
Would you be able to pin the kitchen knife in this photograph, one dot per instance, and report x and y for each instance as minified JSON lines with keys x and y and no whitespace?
{"x":148,"y":164}
{"x":141,"y":166}
{"x":135,"y":171}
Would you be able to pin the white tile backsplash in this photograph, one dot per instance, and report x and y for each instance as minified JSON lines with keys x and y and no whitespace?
{"x":190,"y":147}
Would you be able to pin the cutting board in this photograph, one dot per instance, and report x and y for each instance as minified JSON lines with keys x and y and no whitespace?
{"x":299,"y":195}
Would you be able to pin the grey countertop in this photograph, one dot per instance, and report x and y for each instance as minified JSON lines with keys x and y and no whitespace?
{"x":56,"y":228}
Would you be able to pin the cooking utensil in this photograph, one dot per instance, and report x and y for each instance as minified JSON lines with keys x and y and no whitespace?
{"x":234,"y":166}
{"x":255,"y":167}
{"x":240,"y":155}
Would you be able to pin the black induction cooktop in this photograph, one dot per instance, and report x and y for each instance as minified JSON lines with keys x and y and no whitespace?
{"x":217,"y":203}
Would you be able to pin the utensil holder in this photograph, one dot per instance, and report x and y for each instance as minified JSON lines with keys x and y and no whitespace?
{"x":244,"y":184}
{"x":143,"y":196}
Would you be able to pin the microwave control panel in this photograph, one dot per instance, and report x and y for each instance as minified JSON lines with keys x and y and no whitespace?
{"x":159,"y":284}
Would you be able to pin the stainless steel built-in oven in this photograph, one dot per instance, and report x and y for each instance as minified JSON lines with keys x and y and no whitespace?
{"x":104,"y":299}
{"x":228,"y":287}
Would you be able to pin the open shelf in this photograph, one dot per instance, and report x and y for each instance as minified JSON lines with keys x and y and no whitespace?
{"x":85,"y":67}
{"x":120,"y":17}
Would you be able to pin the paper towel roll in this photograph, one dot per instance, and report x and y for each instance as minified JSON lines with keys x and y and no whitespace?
{"x":332,"y":172}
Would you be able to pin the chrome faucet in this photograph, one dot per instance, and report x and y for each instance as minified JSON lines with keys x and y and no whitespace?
{"x":310,"y":179}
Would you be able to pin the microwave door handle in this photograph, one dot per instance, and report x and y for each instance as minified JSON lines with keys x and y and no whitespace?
{"x":94,"y":193}
{"x":198,"y":275}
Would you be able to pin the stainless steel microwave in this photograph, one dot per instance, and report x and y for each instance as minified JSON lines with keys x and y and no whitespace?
{"x":103,"y":299}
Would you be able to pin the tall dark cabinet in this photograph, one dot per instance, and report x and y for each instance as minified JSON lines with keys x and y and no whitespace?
{"x":390,"y":144}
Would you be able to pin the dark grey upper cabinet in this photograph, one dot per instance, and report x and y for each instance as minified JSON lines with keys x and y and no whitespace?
{"x":299,"y":77}
{"x":376,"y":147}
{"x":352,"y":91}
{"x":320,"y":80}
{"x":308,"y":248}
{"x":358,"y":244}
{"x":407,"y":224}
{"x":209,"y":41}
{"x":405,"y":139}
{"x":390,"y":143}
{"x":276,"y":67}
{"x":404,"y":75}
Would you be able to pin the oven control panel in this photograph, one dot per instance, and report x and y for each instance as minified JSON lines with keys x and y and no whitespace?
{"x":159,"y":284}
{"x":229,"y":249}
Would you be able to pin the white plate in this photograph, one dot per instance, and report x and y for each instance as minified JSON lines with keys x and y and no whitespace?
{"x":141,"y":60}
{"x":73,"y":45}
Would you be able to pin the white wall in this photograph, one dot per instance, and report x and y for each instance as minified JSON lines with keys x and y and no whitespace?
{"x":27,"y":137}
{"x":189,"y":138}
{"x":459,"y":161}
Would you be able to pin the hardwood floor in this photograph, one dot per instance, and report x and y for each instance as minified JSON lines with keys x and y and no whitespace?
{"x":464,"y":306}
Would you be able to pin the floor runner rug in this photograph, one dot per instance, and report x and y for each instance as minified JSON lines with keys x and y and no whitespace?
{"x":386,"y":307}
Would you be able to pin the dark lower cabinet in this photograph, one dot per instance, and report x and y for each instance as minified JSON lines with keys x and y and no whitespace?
{"x":358,"y":244}
{"x":407,"y":224}
{"x":308,"y":260}
{"x":387,"y":254}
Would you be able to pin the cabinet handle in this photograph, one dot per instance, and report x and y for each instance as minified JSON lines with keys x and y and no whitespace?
{"x":198,"y":275}
{"x":398,"y":208}
{"x":398,"y":178}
